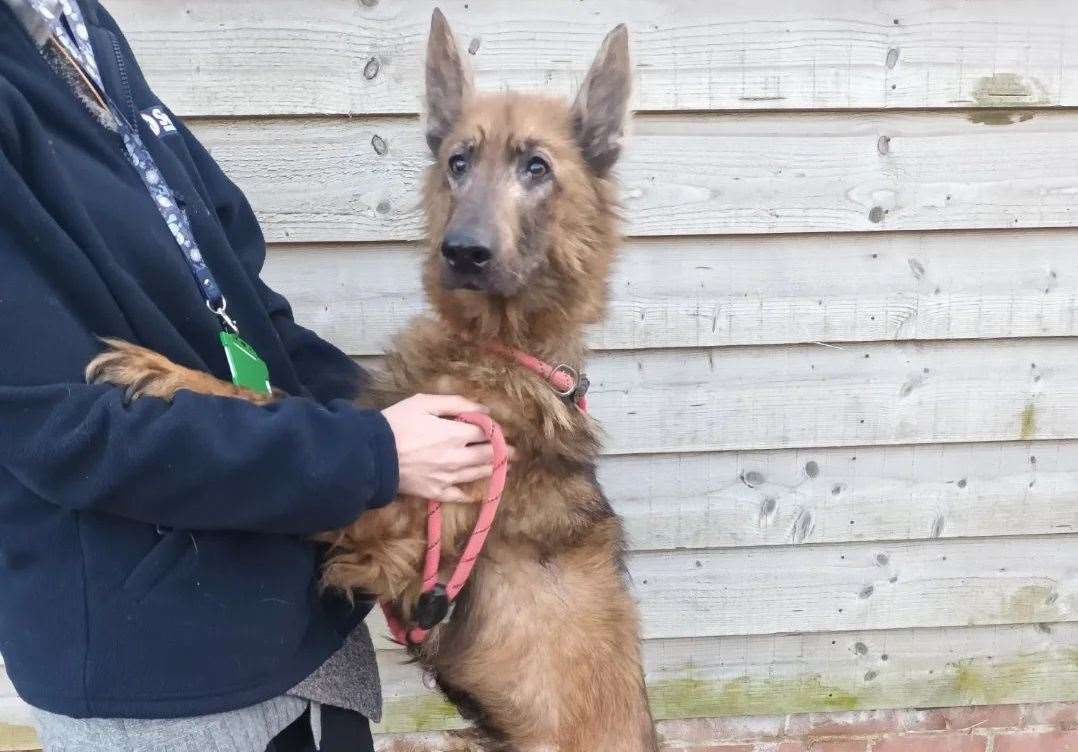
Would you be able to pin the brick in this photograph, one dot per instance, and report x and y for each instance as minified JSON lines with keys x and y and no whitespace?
{"x":1052,"y":741}
{"x":931,"y":743}
{"x":987,"y":716}
{"x":842,"y":724}
{"x":704,"y":731}
{"x":838,"y":745}
{"x":1059,"y":715}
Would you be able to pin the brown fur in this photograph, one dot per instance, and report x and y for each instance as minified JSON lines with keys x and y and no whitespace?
{"x":542,"y":649}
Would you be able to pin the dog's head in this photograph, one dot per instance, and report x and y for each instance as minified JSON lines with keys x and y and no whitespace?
{"x":520,"y":207}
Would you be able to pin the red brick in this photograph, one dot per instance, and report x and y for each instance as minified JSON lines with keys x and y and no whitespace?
{"x":1059,"y":715}
{"x":988,"y":716}
{"x":838,"y":745}
{"x":842,"y":724}
{"x":1053,"y":741}
{"x":931,"y":743}
{"x":704,"y":731}
{"x":787,"y":746}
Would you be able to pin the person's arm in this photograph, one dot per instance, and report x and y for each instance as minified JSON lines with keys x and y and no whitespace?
{"x":322,"y":368}
{"x":198,"y":463}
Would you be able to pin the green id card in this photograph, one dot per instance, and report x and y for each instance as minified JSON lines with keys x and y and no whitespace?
{"x":248,"y":370}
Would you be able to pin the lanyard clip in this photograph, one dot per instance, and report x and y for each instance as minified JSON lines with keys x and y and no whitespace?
{"x":222,"y":314}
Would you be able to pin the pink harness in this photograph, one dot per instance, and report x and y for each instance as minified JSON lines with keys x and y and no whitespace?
{"x":435,"y":597}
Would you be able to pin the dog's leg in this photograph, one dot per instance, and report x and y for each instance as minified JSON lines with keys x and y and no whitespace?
{"x":145,"y":373}
{"x":548,"y":651}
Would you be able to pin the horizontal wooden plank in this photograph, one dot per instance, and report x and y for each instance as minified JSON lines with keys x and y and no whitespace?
{"x":815,"y":672}
{"x":816,"y":396}
{"x":323,"y":180}
{"x":732,"y":499}
{"x":857,"y":586}
{"x":739,"y":290}
{"x":327,"y":56}
{"x":849,"y":587}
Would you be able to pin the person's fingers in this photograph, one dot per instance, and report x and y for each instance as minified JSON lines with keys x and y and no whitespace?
{"x":468,"y":474}
{"x":473,"y":456}
{"x":512,"y":452}
{"x":451,"y":495}
{"x":450,"y":405}
{"x":466,"y":433}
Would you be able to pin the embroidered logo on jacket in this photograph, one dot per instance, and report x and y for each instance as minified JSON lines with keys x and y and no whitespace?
{"x":158,"y":121}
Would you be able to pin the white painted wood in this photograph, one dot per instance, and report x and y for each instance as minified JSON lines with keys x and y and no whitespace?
{"x":845,"y":587}
{"x":732,"y":499}
{"x":314,"y":56}
{"x":815,"y":396}
{"x":814,"y":672}
{"x":851,"y":586}
{"x":322,"y":180}
{"x":824,"y":395}
{"x":740,"y":290}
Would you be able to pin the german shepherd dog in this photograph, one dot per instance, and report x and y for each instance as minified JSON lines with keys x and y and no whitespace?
{"x":542,"y":649}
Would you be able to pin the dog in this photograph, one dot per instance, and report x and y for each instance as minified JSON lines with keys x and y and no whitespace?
{"x":542,"y":649}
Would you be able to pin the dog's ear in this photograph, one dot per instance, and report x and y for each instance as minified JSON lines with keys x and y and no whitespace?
{"x":602,"y":103}
{"x":447,"y":81}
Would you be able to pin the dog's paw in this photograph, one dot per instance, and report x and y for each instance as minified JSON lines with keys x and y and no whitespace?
{"x":141,"y":372}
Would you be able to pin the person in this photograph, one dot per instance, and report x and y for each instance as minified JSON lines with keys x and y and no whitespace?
{"x":159,"y":590}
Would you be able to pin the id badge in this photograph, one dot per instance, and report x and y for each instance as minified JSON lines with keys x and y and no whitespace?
{"x":248,"y":370}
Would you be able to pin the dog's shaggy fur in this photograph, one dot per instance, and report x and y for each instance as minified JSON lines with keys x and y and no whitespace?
{"x":542,"y":649}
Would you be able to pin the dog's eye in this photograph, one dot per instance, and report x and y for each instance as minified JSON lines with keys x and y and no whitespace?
{"x":458,"y":164}
{"x":537,"y":167}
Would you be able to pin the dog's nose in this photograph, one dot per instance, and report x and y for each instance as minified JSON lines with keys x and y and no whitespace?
{"x":465,"y":253}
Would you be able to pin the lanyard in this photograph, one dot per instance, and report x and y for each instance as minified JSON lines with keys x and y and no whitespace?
{"x":75,"y":43}
{"x":73,"y":40}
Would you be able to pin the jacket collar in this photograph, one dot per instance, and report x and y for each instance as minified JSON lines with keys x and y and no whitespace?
{"x":40,"y":17}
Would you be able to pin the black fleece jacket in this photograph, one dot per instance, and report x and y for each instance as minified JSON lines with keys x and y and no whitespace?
{"x":153,"y":556}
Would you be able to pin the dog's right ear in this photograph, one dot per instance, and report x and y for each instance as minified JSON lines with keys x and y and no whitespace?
{"x":447,"y":81}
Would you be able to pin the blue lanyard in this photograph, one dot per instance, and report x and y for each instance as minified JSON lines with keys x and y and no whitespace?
{"x":71,"y":33}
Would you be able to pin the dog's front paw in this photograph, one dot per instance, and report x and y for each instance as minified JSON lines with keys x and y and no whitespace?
{"x":142,"y":372}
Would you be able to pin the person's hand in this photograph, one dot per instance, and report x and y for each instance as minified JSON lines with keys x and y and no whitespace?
{"x":435,"y":454}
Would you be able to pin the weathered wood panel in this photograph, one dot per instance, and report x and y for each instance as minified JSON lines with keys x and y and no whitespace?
{"x":851,"y":586}
{"x":816,"y":396}
{"x":332,"y":56}
{"x":323,"y":180}
{"x":741,"y":291}
{"x":857,"y":586}
{"x":804,"y":673}
{"x":732,"y":499}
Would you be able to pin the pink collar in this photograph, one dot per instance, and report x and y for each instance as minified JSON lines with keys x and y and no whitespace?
{"x":566,"y":380}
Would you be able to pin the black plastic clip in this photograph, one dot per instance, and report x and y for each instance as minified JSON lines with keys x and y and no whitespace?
{"x":432,"y":607}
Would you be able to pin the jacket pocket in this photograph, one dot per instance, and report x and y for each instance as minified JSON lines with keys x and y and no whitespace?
{"x":153,"y":567}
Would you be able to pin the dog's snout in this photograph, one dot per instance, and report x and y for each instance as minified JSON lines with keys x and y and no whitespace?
{"x":466,"y":253}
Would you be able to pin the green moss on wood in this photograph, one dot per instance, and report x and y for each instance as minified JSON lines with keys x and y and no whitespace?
{"x":983,"y":680}
{"x":1028,"y":422}
{"x":1009,"y":90}
{"x":693,"y":697}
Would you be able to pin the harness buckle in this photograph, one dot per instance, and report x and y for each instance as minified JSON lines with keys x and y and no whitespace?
{"x":583,"y":384}
{"x":579,"y":383}
{"x":432,"y":607}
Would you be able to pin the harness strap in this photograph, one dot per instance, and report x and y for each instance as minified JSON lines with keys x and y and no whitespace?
{"x":435,"y":598}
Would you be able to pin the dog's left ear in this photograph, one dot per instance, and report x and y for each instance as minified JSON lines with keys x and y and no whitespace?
{"x":602,"y":103}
